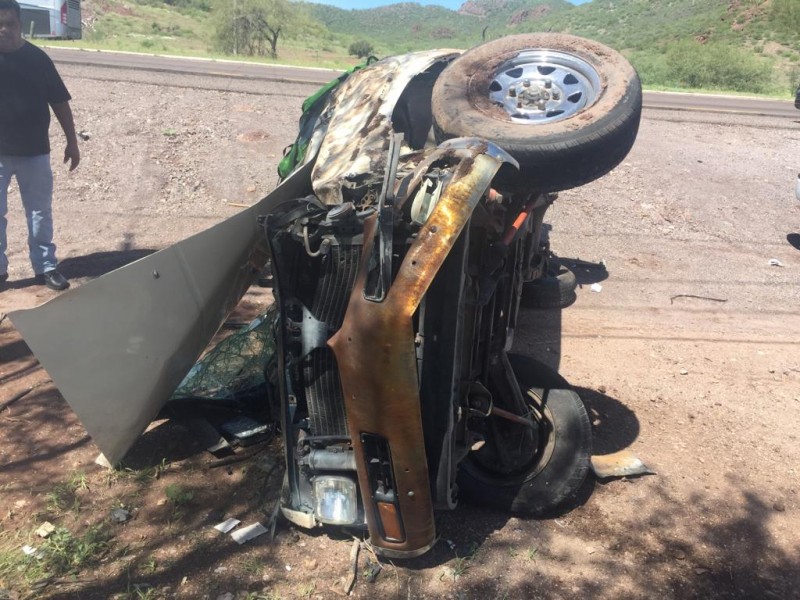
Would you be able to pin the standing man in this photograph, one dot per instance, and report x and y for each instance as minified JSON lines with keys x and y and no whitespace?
{"x":29,"y":87}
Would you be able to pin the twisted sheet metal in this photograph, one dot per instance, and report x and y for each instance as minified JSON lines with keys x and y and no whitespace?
{"x":355,"y":143}
{"x":377,"y":360}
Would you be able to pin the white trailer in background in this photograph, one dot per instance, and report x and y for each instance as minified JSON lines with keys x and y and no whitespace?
{"x":54,"y":19}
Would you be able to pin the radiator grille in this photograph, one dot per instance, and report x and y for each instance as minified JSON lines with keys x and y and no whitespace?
{"x":322,"y":384}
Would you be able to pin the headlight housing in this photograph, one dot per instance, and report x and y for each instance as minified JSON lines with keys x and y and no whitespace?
{"x":335,"y":500}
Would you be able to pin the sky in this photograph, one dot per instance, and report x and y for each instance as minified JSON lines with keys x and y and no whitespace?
{"x":451,"y":4}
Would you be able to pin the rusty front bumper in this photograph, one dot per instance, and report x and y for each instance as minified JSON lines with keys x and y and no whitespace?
{"x":377,"y":361}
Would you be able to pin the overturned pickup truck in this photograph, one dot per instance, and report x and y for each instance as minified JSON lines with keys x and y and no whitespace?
{"x":405,"y":236}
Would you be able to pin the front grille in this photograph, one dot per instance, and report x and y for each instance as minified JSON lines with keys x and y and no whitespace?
{"x":322,"y":384}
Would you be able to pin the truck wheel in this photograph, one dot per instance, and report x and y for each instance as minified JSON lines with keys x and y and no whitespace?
{"x":553,"y":469}
{"x":556,"y":289}
{"x":566,"y":108}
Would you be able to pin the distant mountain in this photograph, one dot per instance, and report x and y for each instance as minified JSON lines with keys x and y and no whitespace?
{"x":760,"y":36}
{"x":639,"y":25}
{"x":512,"y":11}
{"x":744,"y":45}
{"x":398,"y":27}
{"x":624,"y":24}
{"x":411,"y":26}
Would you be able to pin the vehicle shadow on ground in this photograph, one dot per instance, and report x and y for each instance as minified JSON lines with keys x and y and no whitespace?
{"x":538,"y":330}
{"x":538,"y":334}
{"x":12,"y":349}
{"x":614,"y":427}
{"x":167,"y":441}
{"x":720,"y":565}
{"x":25,"y":416}
{"x":586,"y":272}
{"x":16,"y":358}
{"x":794,"y":240}
{"x":717,"y":563}
{"x":99,"y":263}
{"x":189,"y":505}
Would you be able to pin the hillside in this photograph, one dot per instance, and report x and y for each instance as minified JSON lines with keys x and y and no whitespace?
{"x":740,"y":45}
{"x":399,"y":27}
{"x":410,"y":26}
{"x":749,"y":45}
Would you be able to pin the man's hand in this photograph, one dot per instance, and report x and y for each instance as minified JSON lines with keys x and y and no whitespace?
{"x":64,"y":115}
{"x":72,"y":155}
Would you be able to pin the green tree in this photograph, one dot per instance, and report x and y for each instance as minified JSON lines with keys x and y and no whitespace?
{"x":253,"y":27}
{"x":716,"y":66}
{"x":361,"y":49}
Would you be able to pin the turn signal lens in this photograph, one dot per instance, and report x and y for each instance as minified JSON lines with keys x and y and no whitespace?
{"x":390,"y":520}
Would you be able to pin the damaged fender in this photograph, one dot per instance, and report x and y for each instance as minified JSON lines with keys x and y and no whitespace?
{"x":118,"y":346}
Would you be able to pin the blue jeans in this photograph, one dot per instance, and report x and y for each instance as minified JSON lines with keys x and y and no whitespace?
{"x":35,"y":180}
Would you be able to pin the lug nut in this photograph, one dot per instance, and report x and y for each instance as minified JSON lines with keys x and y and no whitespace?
{"x":548,"y":84}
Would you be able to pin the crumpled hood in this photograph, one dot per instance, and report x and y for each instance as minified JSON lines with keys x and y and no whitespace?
{"x":360,"y":122}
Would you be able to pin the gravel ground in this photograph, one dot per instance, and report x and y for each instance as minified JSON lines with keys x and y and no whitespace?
{"x":689,"y":355}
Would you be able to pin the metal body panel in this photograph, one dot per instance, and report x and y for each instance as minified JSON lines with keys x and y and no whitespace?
{"x":358,"y":131}
{"x":117,"y":347}
{"x":377,"y":359}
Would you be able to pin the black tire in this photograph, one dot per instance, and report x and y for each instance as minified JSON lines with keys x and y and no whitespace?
{"x":554,"y":153}
{"x":552,"y":476}
{"x":554,"y":290}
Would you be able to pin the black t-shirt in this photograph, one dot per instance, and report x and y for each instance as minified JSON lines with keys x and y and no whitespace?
{"x":29,"y":83}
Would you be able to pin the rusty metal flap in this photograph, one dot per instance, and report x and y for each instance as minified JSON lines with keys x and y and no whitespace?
{"x":377,"y":360}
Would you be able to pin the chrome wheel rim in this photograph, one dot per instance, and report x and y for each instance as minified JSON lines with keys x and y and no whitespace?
{"x":544,"y":86}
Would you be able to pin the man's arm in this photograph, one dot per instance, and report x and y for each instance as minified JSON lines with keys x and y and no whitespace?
{"x":63,"y":113}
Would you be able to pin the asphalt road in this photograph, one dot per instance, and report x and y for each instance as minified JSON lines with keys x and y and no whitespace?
{"x":281,"y":73}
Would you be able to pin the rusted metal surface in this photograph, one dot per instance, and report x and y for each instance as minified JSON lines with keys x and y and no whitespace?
{"x":357,"y":134}
{"x":509,"y":416}
{"x":377,"y":361}
{"x":619,"y":464}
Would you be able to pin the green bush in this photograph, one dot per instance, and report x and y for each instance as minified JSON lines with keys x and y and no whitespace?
{"x":715,"y":66}
{"x":178,"y":495}
{"x":64,"y":552}
{"x":794,"y":79}
{"x":785,"y":15}
{"x":361,"y":49}
{"x":652,"y":67}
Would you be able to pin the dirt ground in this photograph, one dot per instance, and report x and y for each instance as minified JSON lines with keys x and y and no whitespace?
{"x":689,"y":355}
